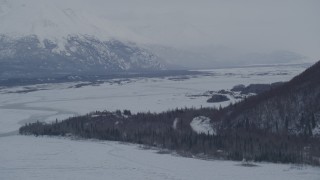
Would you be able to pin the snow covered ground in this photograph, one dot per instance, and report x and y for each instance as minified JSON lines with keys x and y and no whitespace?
{"x":201,"y":125}
{"x":56,"y":158}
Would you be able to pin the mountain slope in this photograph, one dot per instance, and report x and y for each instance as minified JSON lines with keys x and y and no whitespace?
{"x":292,"y":108}
{"x":26,"y":56}
{"x":40,"y":38}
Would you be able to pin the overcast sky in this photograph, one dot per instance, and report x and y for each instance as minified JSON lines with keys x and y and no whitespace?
{"x":228,"y":29}
{"x":245,"y":25}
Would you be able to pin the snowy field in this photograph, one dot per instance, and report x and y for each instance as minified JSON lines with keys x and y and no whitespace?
{"x":57,"y":158}
{"x":54,"y":158}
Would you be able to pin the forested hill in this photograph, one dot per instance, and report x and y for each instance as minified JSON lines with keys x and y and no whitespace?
{"x":293,"y":107}
{"x":280,"y":125}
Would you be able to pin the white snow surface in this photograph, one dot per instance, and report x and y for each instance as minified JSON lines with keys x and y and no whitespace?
{"x":202,"y":125}
{"x":316,"y":130}
{"x":7,"y":122}
{"x":175,"y":123}
{"x":31,"y":158}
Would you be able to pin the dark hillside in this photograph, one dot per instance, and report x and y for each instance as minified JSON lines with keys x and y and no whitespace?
{"x":292,"y":107}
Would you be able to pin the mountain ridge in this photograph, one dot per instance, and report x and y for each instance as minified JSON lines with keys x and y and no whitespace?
{"x":53,"y":37}
{"x":82,"y":55}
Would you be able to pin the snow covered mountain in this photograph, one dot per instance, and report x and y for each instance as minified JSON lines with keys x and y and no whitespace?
{"x":58,"y":37}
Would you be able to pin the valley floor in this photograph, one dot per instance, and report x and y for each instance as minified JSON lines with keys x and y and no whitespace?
{"x":47,"y":102}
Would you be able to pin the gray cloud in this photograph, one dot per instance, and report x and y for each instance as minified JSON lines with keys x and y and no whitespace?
{"x":248,"y":25}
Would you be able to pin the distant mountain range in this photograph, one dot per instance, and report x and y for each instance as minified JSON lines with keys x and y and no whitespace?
{"x":219,"y":56}
{"x":28,"y":57}
{"x":45,"y":38}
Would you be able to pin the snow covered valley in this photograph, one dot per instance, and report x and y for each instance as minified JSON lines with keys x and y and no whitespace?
{"x":24,"y":157}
